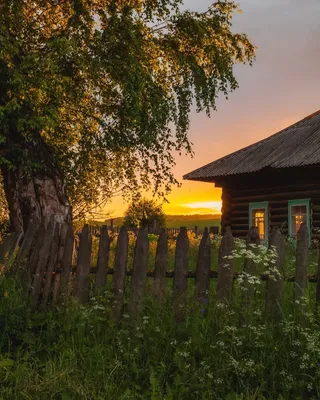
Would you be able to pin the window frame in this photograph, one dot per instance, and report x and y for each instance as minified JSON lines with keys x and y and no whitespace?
{"x":256,"y":206}
{"x":299,"y":202}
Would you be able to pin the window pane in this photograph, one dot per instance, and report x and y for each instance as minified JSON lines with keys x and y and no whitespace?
{"x":298,"y":216}
{"x":258,"y":220}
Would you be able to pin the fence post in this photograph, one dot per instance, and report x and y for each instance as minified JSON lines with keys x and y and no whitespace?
{"x":81,"y":291}
{"x":139,"y":275}
{"x":41,"y":264}
{"x":103,"y":259}
{"x":275,"y":278}
{"x":161,"y":265}
{"x":203,"y":270}
{"x":61,"y":281}
{"x":29,"y":266}
{"x":180,"y":280}
{"x":225,"y":268}
{"x":119,"y":275}
{"x":53,"y":258}
{"x":302,"y":251}
{"x":8,"y":251}
{"x":26,"y":246}
{"x":318,"y":282}
{"x":250,"y":269}
{"x":154,"y":227}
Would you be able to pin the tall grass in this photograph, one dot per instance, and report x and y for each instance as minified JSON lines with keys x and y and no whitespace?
{"x":75,"y":352}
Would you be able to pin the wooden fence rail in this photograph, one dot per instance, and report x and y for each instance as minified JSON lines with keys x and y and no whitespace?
{"x":43,"y":260}
{"x":95,"y":230}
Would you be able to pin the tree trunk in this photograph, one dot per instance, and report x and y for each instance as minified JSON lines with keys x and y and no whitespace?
{"x":33,"y":183}
{"x":34,"y":196}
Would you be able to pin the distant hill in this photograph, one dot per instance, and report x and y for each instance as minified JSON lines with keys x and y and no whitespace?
{"x":189,"y":221}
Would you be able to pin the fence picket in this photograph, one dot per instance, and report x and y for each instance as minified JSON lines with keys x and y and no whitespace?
{"x":118,"y":279}
{"x":301,"y":261}
{"x":81,"y":291}
{"x":61,"y":281}
{"x":26,"y":247}
{"x":225,"y":268}
{"x":181,"y":266}
{"x":103,"y":259}
{"x":274,"y":287}
{"x":29,"y":269}
{"x":139,"y":276}
{"x":53,"y":258}
{"x":161,"y":266}
{"x":41,"y":264}
{"x":203,"y":270}
{"x":56,"y":291}
{"x":318,"y":281}
{"x":250,"y":269}
{"x":8,"y":251}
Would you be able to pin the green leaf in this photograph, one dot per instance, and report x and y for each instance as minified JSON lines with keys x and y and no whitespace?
{"x":7,"y":363}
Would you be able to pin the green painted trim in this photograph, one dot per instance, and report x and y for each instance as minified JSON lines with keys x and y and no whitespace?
{"x":299,"y":202}
{"x":255,"y":206}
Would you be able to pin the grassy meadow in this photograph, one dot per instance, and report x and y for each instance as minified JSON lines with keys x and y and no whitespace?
{"x":188,"y":221}
{"x":230,"y":352}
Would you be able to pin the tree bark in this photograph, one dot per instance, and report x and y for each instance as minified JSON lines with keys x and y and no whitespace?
{"x":33,"y":183}
{"x":35,"y":196}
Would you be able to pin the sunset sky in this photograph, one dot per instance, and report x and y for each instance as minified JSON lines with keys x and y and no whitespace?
{"x":282,"y":87}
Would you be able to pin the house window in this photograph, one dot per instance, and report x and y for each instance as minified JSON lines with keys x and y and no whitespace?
{"x":259,"y":217}
{"x":299,"y":212}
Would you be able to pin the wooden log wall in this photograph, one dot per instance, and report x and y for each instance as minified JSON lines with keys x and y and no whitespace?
{"x":237,"y":194}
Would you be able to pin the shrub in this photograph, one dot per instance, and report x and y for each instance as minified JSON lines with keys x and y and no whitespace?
{"x":144,"y":213}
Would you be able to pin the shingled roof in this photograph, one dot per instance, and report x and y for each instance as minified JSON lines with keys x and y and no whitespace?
{"x":298,"y":145}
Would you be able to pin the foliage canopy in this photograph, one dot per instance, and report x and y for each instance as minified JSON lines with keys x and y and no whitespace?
{"x":106,"y":87}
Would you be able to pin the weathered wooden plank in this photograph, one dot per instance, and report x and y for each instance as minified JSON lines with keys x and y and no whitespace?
{"x":61,"y":281}
{"x":81,"y":291}
{"x":41,"y":265}
{"x":274,"y":286}
{"x":279,"y":194}
{"x":302,"y":251}
{"x":274,"y":188}
{"x":53,"y":258}
{"x":203,"y":271}
{"x":139,"y":275}
{"x":274,"y":209}
{"x":161,"y":265}
{"x":28,"y":267}
{"x":118,"y":279}
{"x":279,"y":217}
{"x":318,"y":282}
{"x":56,"y":289}
{"x":103,"y":259}
{"x":240,"y":226}
{"x":225,"y":268}
{"x":180,"y":280}
{"x":250,"y":271}
{"x":26,"y":247}
{"x":8,"y":251}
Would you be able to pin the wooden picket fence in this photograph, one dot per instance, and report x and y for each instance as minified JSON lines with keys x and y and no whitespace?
{"x":95,"y":230}
{"x":44,"y":261}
